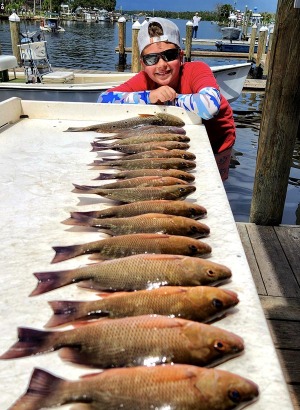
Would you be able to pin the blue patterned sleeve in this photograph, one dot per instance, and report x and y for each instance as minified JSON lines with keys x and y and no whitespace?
{"x":206,"y":103}
{"x":118,"y":97}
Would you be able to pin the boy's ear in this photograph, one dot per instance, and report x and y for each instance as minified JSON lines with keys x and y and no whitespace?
{"x":181,"y":56}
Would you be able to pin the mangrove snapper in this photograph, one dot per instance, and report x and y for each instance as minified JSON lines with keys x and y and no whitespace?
{"x":145,"y":181}
{"x":149,"y":163}
{"x":158,"y":153}
{"x":176,"y":387}
{"x":141,"y":139}
{"x":137,"y":148}
{"x":142,"y":119}
{"x":132,"y":341}
{"x":199,"y":303}
{"x":175,"y":173}
{"x":146,"y":129}
{"x":140,"y":193}
{"x":137,"y":272}
{"x":160,"y":206}
{"x":146,"y":223}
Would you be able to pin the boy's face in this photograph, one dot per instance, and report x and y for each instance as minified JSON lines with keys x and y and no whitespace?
{"x":164,"y":72}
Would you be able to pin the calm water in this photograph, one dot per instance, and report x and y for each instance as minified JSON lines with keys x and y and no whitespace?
{"x":92,"y":46}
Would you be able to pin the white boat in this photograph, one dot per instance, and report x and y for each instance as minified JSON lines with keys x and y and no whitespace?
{"x":232,"y":32}
{"x":87,"y":87}
{"x":51,"y":25}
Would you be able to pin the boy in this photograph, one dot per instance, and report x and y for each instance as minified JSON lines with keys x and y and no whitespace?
{"x":165,"y":79}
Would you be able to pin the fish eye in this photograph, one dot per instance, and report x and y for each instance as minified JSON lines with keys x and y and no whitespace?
{"x":194,"y":229}
{"x":210,"y":273}
{"x":217,"y":303}
{"x":219,"y":346}
{"x":193,"y":248}
{"x":234,"y":395}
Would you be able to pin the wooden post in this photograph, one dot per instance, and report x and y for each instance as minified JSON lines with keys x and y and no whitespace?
{"x":280,"y":119}
{"x":188,"y":40}
{"x":261,"y":47}
{"x":267,"y":62}
{"x":14,"y":25}
{"x":135,"y":57}
{"x":245,"y":23}
{"x":122,"y":39}
{"x":252,"y":42}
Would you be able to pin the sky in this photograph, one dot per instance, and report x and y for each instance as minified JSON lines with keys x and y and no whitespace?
{"x":194,"y":5}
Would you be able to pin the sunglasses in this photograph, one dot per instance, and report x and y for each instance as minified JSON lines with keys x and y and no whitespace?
{"x":168,"y":55}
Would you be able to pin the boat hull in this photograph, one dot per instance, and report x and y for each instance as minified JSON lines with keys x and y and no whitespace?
{"x":86,"y":88}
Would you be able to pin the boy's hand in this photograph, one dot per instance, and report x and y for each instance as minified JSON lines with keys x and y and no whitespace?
{"x":162,"y":94}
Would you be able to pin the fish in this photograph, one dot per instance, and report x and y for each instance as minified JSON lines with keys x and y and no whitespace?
{"x":140,"y":120}
{"x":128,"y":195}
{"x":126,"y":245}
{"x":199,"y":303}
{"x":149,"y":163}
{"x":146,"y":129}
{"x":158,"y":153}
{"x":131,"y":341}
{"x":138,"y":139}
{"x":146,"y":223}
{"x":179,"y":208}
{"x":137,"y":272}
{"x":132,"y":183}
{"x":137,"y":148}
{"x":177,"y":386}
{"x":175,"y":173}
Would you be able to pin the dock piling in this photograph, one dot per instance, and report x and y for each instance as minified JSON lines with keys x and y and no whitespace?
{"x":135,"y":58}
{"x":188,"y":40}
{"x":261,"y":47}
{"x":122,"y":37}
{"x":14,"y":25}
{"x":252,"y":42}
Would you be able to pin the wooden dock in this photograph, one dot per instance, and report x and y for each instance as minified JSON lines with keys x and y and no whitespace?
{"x":273,"y":257}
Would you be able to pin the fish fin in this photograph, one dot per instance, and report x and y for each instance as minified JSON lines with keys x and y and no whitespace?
{"x":42,"y":392}
{"x":81,"y":406}
{"x":105,"y":176}
{"x":52,"y":280}
{"x":31,"y":342}
{"x":97,"y":256}
{"x":146,"y":115}
{"x":163,"y":256}
{"x":64,"y":312}
{"x":89,"y":284}
{"x":75,"y":129}
{"x":63,"y":253}
{"x":73,"y":221}
{"x":74,"y":356}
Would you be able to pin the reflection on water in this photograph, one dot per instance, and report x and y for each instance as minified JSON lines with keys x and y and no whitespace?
{"x":239,"y":185}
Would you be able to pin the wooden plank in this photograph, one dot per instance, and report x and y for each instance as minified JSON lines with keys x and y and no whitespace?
{"x":260,"y":287}
{"x":294,"y":390}
{"x":281,"y":308}
{"x":276,"y":272}
{"x":285,"y":334}
{"x":290,"y":365}
{"x":289,"y":238}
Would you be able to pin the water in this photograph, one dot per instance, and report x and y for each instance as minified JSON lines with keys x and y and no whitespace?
{"x":92,"y":46}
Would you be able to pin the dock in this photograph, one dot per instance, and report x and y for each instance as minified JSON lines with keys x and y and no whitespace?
{"x":273,"y":257}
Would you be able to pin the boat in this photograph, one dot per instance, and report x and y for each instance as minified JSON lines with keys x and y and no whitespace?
{"x":234,"y":46}
{"x":76,"y":87}
{"x":232,"y":32}
{"x":103,"y":15}
{"x":51,"y":24}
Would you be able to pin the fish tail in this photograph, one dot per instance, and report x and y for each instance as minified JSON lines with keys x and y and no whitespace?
{"x":84,"y":188}
{"x":62,"y":253}
{"x":31,"y":342}
{"x":44,"y":390}
{"x":65,"y":312}
{"x":75,"y":129}
{"x":48,"y":281}
{"x":79,"y":220}
{"x":104,"y":176}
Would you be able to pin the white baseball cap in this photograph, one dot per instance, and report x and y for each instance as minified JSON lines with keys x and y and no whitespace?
{"x":170,"y":34}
